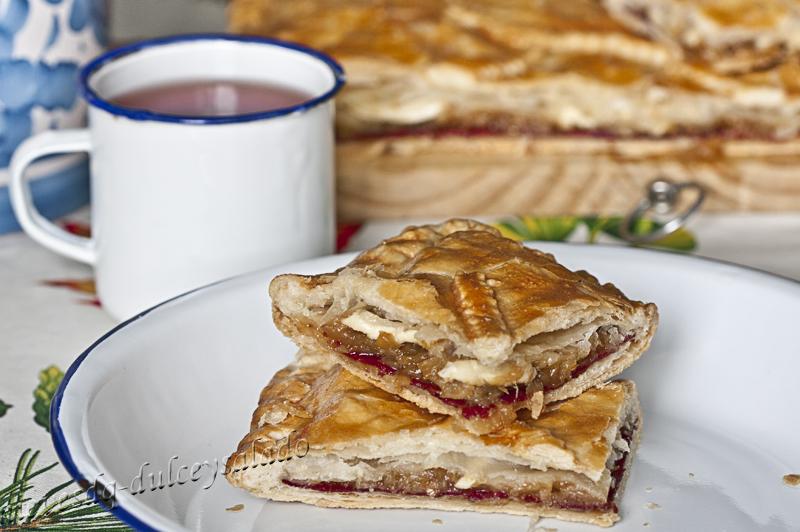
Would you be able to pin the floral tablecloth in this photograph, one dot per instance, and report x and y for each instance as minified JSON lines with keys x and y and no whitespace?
{"x":49,"y":314}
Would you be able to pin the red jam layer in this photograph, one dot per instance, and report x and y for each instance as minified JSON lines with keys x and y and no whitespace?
{"x":513,"y":394}
{"x":473,"y":494}
{"x":591,"y":360}
{"x":375,"y":361}
{"x":484,"y":494}
{"x":468,"y":409}
{"x":437,"y":132}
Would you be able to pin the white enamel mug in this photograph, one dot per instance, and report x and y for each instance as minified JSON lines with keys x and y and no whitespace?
{"x":179,"y":202}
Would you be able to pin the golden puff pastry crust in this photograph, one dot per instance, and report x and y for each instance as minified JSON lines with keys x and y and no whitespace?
{"x":323,"y":436}
{"x":462,"y":321}
{"x":626,"y":68}
{"x":735,"y":36}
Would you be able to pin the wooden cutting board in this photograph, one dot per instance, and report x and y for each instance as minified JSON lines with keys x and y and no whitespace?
{"x":392,"y":178}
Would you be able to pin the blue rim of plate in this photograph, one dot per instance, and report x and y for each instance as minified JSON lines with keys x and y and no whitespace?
{"x":96,"y":64}
{"x":57,"y":433}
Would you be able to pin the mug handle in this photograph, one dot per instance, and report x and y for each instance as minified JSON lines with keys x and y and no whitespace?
{"x":37,"y":226}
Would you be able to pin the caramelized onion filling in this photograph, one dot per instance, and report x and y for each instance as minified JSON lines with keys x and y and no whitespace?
{"x":414,"y":365}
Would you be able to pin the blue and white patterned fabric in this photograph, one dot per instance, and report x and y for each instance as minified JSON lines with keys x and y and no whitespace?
{"x":43,"y":44}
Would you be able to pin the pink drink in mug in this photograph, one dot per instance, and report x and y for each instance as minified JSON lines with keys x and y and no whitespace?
{"x":204,"y":98}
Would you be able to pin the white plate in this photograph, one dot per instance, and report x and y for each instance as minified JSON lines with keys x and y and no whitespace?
{"x":719,"y":392}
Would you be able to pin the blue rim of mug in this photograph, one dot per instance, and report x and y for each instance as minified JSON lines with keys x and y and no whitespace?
{"x":96,"y":64}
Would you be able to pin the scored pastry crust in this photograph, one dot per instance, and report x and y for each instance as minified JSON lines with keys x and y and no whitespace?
{"x":623,"y":67}
{"x":478,"y":304}
{"x":339,"y":427}
{"x":735,"y":35}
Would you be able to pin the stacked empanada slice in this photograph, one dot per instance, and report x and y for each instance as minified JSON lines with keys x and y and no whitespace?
{"x":462,"y":321}
{"x":452,"y":368}
{"x":366,"y":448}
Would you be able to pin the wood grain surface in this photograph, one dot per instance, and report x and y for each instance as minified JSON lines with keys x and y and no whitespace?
{"x":394,"y":178}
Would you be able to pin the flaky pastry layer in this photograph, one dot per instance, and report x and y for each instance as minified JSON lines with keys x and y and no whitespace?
{"x":623,"y":67}
{"x":361,"y":447}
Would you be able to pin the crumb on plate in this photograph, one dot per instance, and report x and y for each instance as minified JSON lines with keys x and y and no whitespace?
{"x":533,"y":528}
{"x":437,"y":522}
{"x":652,"y":506}
{"x":792,"y":479}
{"x":235,"y":508}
